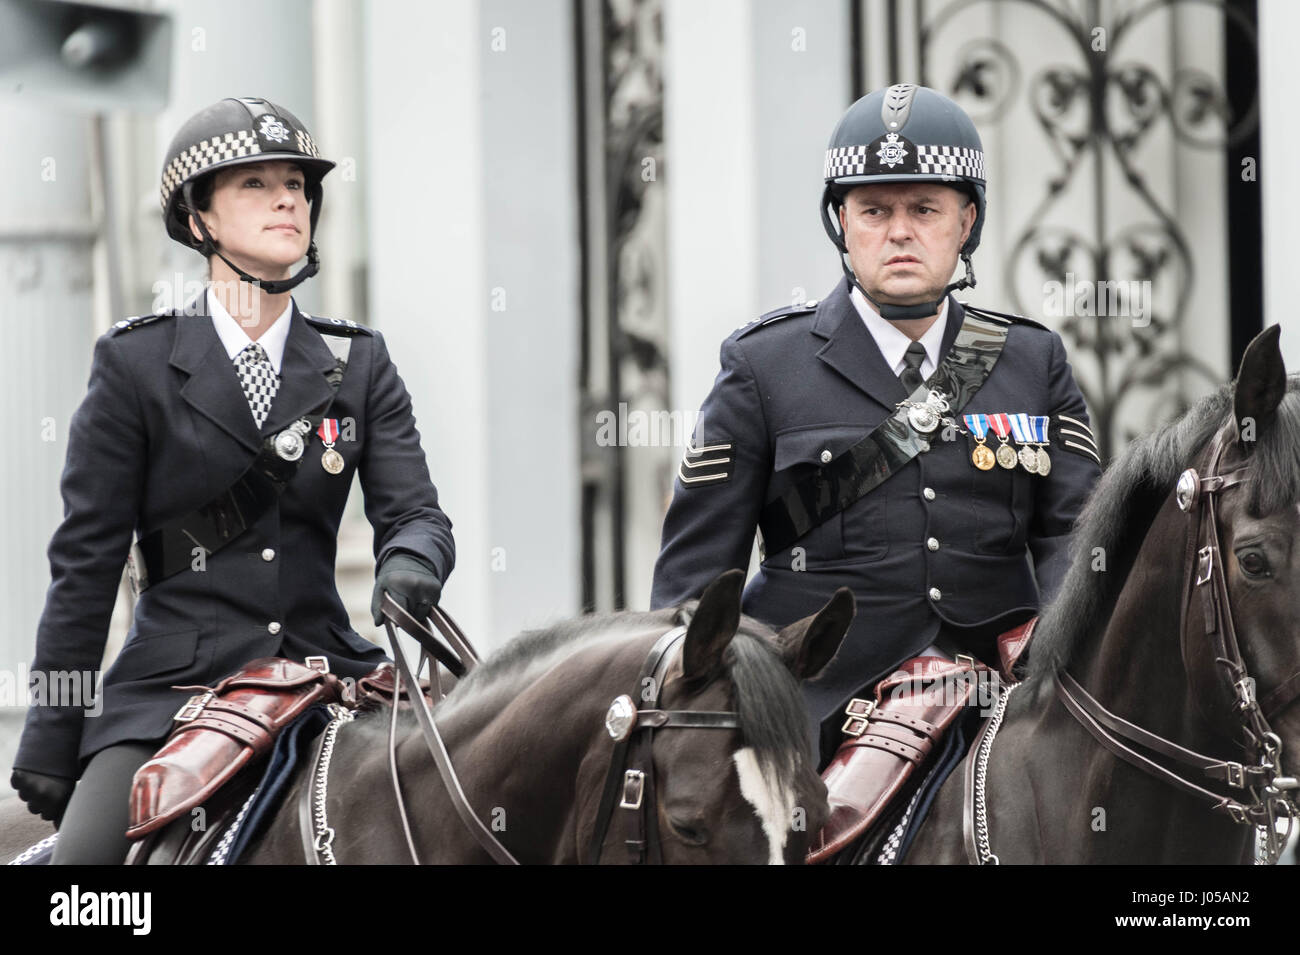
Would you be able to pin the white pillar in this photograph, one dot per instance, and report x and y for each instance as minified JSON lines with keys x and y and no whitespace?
{"x":1279,"y":136}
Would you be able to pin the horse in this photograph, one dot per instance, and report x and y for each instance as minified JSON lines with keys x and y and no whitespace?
{"x":1174,"y":635}
{"x":531,"y":734}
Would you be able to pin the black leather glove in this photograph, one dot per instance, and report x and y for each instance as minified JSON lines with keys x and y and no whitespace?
{"x":412,"y":583}
{"x":47,"y":796}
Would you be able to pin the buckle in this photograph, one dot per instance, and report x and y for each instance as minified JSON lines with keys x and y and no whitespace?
{"x":317,"y":663}
{"x":633,"y":789}
{"x":192,"y":709}
{"x":1236,"y":775}
{"x":966,"y":659}
{"x":859,"y":715}
{"x":1205,"y":565}
{"x":1236,"y":812}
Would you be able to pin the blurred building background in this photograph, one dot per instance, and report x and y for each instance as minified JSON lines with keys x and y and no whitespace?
{"x":555,"y":210}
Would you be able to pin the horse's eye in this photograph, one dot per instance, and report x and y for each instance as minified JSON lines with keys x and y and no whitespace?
{"x":1253,"y":564}
{"x":691,"y":833}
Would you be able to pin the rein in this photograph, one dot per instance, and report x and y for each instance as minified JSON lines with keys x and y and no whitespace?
{"x":1266,"y":791}
{"x":632,"y":761}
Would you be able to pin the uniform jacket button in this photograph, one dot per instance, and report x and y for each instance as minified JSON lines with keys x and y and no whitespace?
{"x":932,"y":543}
{"x":935,"y":593}
{"x":268,"y":554}
{"x":274,"y":627}
{"x":928,"y":493}
{"x":826,"y":457}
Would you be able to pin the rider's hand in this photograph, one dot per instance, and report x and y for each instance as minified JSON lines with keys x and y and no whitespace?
{"x":47,"y":796}
{"x":411,"y":582}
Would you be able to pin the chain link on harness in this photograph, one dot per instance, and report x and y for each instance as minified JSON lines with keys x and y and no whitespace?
{"x":986,"y":854}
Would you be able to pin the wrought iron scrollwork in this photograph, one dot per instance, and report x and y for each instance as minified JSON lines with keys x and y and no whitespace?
{"x":1099,"y":112}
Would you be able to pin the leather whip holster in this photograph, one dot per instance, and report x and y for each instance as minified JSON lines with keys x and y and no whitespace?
{"x":221,"y":730}
{"x":888,"y":737}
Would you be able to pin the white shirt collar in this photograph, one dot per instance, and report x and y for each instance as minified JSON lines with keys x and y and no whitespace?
{"x":893,"y":343}
{"x":235,"y":339}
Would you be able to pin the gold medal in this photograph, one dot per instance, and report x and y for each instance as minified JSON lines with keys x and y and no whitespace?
{"x":1044,"y":462}
{"x":332,"y":461}
{"x":982,"y":457}
{"x":1006,"y":456}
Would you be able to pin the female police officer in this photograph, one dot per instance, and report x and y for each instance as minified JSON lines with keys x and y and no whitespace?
{"x":186,"y":414}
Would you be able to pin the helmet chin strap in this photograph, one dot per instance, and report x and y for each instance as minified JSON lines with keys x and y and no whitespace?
{"x":901,"y":313}
{"x":270,"y":286}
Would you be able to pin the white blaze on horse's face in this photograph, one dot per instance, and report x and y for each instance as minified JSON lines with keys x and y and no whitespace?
{"x":774,"y":804}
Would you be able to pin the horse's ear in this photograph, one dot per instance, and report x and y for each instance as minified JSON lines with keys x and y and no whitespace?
{"x":809,"y":644}
{"x":714,"y":623}
{"x":1261,"y":383}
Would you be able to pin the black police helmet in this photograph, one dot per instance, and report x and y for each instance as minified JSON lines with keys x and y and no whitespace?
{"x":234,"y":132}
{"x":905,"y":133}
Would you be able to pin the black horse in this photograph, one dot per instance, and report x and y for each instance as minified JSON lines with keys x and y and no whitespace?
{"x":1144,"y":623}
{"x":526,"y":733}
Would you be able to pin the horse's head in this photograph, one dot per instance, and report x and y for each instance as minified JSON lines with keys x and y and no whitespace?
{"x":1243,"y":590}
{"x":750,"y":795}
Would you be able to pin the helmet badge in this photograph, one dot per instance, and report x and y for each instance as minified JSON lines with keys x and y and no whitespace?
{"x":271,"y":128}
{"x":891,"y":151}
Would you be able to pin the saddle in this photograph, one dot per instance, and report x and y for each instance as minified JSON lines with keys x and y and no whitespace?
{"x":892,"y":735}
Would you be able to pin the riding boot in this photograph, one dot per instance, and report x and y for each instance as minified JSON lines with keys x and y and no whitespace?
{"x":888,"y":738}
{"x":222,"y":730}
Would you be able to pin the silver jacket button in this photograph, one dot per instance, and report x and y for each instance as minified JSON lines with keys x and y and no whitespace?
{"x":935,"y":593}
{"x":932,"y":543}
{"x":268,"y":554}
{"x":928,"y":493}
{"x":826,"y":457}
{"x":274,"y":627}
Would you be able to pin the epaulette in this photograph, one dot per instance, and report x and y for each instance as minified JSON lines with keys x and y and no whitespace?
{"x":337,"y":326}
{"x":769,"y":318}
{"x":1004,"y":316}
{"x":139,"y":321}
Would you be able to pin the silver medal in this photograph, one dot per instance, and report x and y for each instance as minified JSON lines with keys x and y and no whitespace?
{"x":289,"y":444}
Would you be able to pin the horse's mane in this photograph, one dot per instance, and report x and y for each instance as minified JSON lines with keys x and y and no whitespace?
{"x":767,"y":696}
{"x":1125,"y":502}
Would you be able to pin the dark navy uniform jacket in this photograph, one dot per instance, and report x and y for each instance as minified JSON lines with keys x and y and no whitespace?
{"x":165,"y":428}
{"x":940,"y":542}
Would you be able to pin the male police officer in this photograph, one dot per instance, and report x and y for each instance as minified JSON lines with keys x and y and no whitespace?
{"x":888,"y":438}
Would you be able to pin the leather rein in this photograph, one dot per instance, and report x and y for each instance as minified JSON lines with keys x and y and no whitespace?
{"x":1265,"y":792}
{"x":630,"y":779}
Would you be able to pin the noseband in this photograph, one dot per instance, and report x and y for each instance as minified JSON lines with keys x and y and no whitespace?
{"x":631,"y":776}
{"x":1266,"y":792}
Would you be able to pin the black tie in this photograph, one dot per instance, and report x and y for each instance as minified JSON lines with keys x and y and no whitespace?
{"x":911,"y":376}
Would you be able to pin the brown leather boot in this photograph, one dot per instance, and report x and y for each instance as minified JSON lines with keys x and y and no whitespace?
{"x":223,"y":729}
{"x":888,"y":738}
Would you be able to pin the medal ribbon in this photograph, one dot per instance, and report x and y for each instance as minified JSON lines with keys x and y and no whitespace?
{"x":978,"y":424}
{"x":999,"y":424}
{"x":1020,"y":427}
{"x":1040,"y":423}
{"x":329,"y":430}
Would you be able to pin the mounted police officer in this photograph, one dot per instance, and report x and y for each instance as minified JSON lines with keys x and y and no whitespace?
{"x":227,"y":434}
{"x":929,"y":455}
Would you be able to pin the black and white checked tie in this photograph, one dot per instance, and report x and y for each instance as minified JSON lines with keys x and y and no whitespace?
{"x":911,"y":376}
{"x":259,"y":380}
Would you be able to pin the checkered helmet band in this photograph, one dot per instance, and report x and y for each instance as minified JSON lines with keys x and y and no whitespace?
{"x":899,"y":157}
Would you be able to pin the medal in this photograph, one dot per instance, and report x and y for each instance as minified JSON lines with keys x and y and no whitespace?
{"x":1006,"y":454}
{"x":331,"y":460}
{"x":981,"y":457}
{"x":1024,"y":437}
{"x":288,"y":444}
{"x":1040,"y":423}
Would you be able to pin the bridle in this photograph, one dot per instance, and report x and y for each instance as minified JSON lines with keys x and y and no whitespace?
{"x":1265,"y":793}
{"x":631,"y":776}
{"x":632,"y":766}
